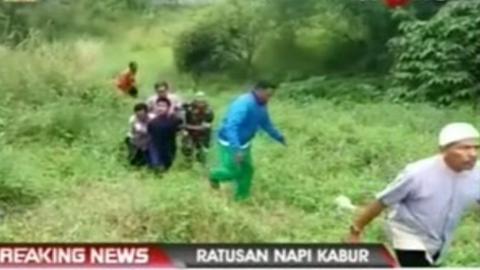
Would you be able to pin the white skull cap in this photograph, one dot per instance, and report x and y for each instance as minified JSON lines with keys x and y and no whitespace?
{"x":455,"y":132}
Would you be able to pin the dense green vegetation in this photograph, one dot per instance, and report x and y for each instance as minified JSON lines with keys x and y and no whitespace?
{"x":438,"y":60}
{"x":342,"y":105}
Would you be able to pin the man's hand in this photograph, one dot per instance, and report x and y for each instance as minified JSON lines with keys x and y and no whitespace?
{"x":194,"y":127}
{"x":365,"y":217}
{"x":282,"y":140}
{"x":239,"y":158}
{"x":355,"y":236}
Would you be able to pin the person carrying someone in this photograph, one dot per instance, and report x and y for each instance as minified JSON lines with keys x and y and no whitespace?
{"x":126,"y":82}
{"x":198,"y":125}
{"x":162,"y":90}
{"x":245,"y":116}
{"x":428,"y":198}
{"x":163,"y":129}
{"x":137,"y":137}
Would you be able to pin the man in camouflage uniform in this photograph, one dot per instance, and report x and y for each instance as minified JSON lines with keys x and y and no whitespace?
{"x":198,"y":125}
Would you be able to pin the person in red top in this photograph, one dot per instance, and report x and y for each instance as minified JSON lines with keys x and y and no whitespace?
{"x":126,"y":81}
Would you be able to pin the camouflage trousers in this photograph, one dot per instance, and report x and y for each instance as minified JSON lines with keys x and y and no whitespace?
{"x":195,"y":145}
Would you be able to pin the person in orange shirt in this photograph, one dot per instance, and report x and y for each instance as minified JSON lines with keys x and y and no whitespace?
{"x":126,"y":81}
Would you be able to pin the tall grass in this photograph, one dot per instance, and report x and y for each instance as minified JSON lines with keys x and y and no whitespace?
{"x":63,"y":171}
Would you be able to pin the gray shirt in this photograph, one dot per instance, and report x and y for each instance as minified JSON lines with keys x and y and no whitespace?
{"x":429,"y":199}
{"x":137,"y":132}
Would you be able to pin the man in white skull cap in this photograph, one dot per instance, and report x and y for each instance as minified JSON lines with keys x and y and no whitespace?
{"x":427,"y":199}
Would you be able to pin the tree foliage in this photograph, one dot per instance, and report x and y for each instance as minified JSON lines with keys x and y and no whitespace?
{"x":226,"y":38}
{"x":54,"y":18}
{"x":197,"y":52}
{"x":439,"y":59}
{"x":309,"y":37}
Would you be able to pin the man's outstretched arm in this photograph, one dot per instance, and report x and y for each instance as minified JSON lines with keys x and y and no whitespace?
{"x":267,"y":125}
{"x":395,"y":192}
{"x":369,"y":213}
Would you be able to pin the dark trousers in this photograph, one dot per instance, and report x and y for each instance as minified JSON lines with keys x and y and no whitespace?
{"x":413,"y":258}
{"x":194,"y":143}
{"x":136,"y":156}
{"x":133,"y":92}
{"x":162,"y":156}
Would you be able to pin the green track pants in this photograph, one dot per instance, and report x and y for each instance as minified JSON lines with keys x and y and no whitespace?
{"x":230,"y":170}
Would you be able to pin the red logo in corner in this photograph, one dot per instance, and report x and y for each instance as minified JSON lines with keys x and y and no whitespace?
{"x":396,"y":3}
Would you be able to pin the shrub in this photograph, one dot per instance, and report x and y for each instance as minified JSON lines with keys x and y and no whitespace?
{"x":335,"y":88}
{"x":437,"y":60}
{"x":38,"y":73}
{"x":14,"y":194}
{"x":226,"y":38}
{"x":48,"y":124}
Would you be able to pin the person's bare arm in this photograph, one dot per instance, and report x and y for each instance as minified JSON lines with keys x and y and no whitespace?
{"x":403,"y":185}
{"x":194,"y":127}
{"x":366,"y":216}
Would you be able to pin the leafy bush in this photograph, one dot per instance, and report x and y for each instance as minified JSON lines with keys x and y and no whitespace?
{"x":13,"y":193}
{"x":60,"y":18}
{"x":340,"y":89}
{"x":226,"y":38}
{"x":56,"y":122}
{"x":47,"y":72}
{"x":197,"y":51}
{"x":40,"y":92}
{"x":67,"y":124}
{"x":438,"y":60}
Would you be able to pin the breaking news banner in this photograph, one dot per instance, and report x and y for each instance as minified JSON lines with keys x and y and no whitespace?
{"x":20,"y":1}
{"x":139,"y":256}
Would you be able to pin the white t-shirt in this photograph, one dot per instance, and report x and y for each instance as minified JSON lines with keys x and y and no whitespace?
{"x":138,"y":132}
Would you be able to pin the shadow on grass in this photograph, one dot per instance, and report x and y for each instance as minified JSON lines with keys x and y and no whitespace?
{"x":16,"y":198}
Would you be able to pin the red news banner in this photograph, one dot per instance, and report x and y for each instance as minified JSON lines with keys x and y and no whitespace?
{"x":82,"y":256}
{"x":138,"y":256}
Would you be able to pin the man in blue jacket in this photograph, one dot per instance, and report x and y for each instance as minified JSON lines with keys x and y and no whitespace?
{"x":246,"y":115}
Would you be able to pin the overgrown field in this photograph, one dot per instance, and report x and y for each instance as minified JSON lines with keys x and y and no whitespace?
{"x":63,"y":175}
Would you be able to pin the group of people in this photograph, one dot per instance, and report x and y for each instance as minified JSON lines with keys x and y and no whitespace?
{"x":426,"y":200}
{"x":156,"y":124}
